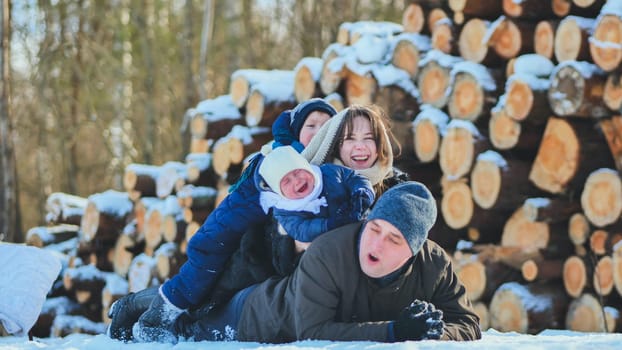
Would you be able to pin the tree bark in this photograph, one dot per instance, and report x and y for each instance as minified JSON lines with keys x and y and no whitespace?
{"x":612,"y":129}
{"x":9,"y":203}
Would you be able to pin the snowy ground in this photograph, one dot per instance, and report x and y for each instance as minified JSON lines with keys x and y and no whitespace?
{"x":547,"y":340}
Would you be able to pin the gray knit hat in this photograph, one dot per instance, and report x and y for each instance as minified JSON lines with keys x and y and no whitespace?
{"x":411,"y":208}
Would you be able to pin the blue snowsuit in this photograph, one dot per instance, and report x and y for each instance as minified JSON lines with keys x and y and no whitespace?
{"x":348,"y":196}
{"x":213,"y":244}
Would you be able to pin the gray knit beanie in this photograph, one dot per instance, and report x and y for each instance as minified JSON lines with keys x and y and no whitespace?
{"x":411,"y":208}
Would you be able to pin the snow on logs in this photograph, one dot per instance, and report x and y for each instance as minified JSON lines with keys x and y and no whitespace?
{"x":522,"y":152}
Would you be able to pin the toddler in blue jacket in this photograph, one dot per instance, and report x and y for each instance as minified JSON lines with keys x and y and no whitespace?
{"x":308,"y":200}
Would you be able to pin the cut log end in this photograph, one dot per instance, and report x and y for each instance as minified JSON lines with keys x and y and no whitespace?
{"x":603,"y":276}
{"x":406,"y":57}
{"x":504,"y":131}
{"x":613,"y":92}
{"x":568,"y":41}
{"x":529,"y":270}
{"x":443,"y":38}
{"x":473,"y":277}
{"x":471,"y":43}
{"x":507,"y":40}
{"x":598,"y":241}
{"x":574,"y":276}
{"x":239,"y":90}
{"x":254,"y":109}
{"x":578,"y":228}
{"x":426,"y":141}
{"x":457,"y":205}
{"x":481,"y":310}
{"x":466,"y":100}
{"x":485,"y":183}
{"x":433,"y":81}
{"x":89,"y":222}
{"x":435,"y":15}
{"x":512,"y":8}
{"x":617,"y":268}
{"x":519,"y":100}
{"x":561,"y":8}
{"x":129,"y":180}
{"x":413,"y":18}
{"x":507,"y":313}
{"x":585,"y":314}
{"x":456,"y":155}
{"x":601,"y":198}
{"x":519,"y":231}
{"x":122,"y":258}
{"x":607,"y":31}
{"x":557,"y":158}
{"x":544,"y":39}
{"x":304,"y":84}
{"x":163,"y":266}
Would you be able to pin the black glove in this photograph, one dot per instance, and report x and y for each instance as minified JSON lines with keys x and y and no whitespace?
{"x":420,"y":320}
{"x":125,"y":312}
{"x":361,"y":201}
{"x":157,"y":324}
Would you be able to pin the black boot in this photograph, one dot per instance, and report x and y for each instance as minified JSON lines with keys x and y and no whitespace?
{"x":126,"y":311}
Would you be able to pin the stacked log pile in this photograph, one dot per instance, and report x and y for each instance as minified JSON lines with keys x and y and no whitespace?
{"x":508,"y":111}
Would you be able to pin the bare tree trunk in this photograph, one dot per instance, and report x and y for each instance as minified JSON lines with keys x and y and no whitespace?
{"x":190,"y":92}
{"x":143,"y":23}
{"x":71,"y":162}
{"x":206,"y":38}
{"x":9,"y":206}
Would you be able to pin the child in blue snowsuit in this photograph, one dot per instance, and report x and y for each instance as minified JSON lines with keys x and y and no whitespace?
{"x":309,"y":200}
{"x":218,"y":237}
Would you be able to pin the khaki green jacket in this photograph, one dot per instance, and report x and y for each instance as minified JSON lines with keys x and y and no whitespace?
{"x":328,"y":296}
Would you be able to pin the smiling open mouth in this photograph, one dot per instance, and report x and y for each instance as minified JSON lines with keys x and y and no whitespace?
{"x":372,"y":258}
{"x":303,"y":188}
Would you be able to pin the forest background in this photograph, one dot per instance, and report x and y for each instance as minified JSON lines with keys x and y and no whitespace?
{"x":88,"y":87}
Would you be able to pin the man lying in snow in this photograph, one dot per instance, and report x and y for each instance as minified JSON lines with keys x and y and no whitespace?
{"x":378,"y":280}
{"x":27,"y":276}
